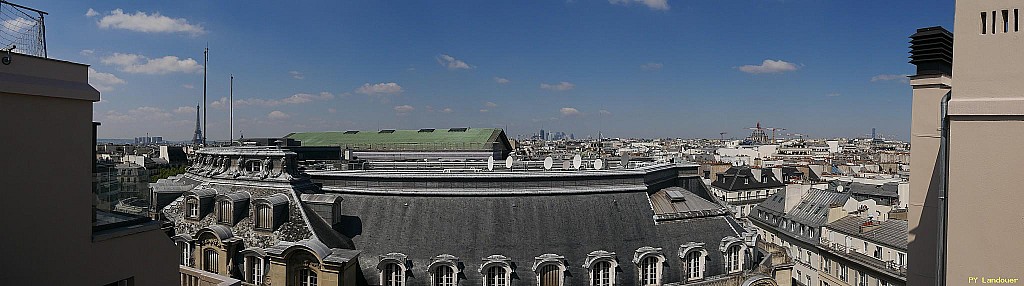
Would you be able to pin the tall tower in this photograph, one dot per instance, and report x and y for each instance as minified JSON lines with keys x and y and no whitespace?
{"x":197,"y":137}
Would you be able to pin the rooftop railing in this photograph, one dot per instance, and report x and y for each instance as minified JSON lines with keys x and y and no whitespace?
{"x":22,"y":30}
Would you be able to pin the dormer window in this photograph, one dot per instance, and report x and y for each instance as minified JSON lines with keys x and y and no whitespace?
{"x":694,"y":260}
{"x":392,"y":269}
{"x":550,"y":269}
{"x":254,"y":166}
{"x":192,"y":204}
{"x":602,"y":266}
{"x":444,"y":270}
{"x":270,"y":212}
{"x":232,"y":207}
{"x":649,"y":261}
{"x":496,"y":270}
{"x":224,"y":213}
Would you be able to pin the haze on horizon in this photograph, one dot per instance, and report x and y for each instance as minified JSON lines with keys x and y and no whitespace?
{"x":621,"y":67}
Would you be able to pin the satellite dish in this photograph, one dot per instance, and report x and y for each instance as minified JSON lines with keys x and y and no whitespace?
{"x":490,"y":163}
{"x":598,"y":164}
{"x":508,"y":162}
{"x":577,"y":162}
{"x":548,"y":162}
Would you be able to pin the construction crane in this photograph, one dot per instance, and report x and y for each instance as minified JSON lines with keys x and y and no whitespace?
{"x":722,"y":135}
{"x":773,"y":129}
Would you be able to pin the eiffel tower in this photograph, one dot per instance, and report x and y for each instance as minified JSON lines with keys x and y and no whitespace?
{"x":197,"y":138}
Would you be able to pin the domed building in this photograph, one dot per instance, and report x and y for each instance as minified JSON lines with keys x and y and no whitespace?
{"x":261,"y":220}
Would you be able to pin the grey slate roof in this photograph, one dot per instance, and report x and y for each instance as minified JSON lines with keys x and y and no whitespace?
{"x":675,"y":202}
{"x":523,"y":228}
{"x":734,"y":179}
{"x":811,"y":211}
{"x":884,"y":190}
{"x":892,"y":233}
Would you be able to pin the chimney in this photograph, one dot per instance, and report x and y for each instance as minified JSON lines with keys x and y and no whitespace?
{"x":869,"y":225}
{"x":931,"y":50}
{"x":835,"y":212}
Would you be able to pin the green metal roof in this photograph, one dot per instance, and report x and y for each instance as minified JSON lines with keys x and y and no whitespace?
{"x":440,"y":139}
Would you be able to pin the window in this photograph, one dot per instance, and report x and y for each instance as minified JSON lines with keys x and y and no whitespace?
{"x":902,"y":258}
{"x":192,"y":205}
{"x":394,"y":275}
{"x":1016,"y":21}
{"x":826,"y":265}
{"x":444,"y":276}
{"x":307,"y":277}
{"x":264,"y":217}
{"x":550,"y":275}
{"x":983,"y":25}
{"x":601,"y":274}
{"x":186,"y":253}
{"x":865,"y":250}
{"x":843,"y":273}
{"x":694,"y":262}
{"x":862,"y":279}
{"x":254,"y":269}
{"x":210,"y":257}
{"x":878,"y":252}
{"x":496,"y":276}
{"x":732,"y":256}
{"x":1006,"y":21}
{"x":649,"y":271}
{"x":225,"y":213}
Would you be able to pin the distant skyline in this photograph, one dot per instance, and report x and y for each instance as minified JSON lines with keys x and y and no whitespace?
{"x":623,"y":68}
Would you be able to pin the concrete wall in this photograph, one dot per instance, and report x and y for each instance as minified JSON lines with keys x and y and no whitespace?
{"x":925,"y":178}
{"x":986,"y":128}
{"x":46,"y":106}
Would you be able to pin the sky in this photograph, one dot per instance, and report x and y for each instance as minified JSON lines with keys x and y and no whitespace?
{"x":625,"y":68}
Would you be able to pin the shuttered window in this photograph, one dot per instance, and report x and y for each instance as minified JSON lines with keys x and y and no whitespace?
{"x":550,"y":275}
{"x":210,"y":258}
{"x":602,"y":274}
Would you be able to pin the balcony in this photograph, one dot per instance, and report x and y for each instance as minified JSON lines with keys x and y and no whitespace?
{"x":852,"y":254}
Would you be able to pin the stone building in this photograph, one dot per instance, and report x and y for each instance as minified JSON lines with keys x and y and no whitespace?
{"x":743,"y":187}
{"x":248,"y":213}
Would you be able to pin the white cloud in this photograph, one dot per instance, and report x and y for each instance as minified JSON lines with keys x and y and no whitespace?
{"x":491,"y":104}
{"x":834,"y":94}
{"x":303,"y":97}
{"x":380,"y":88}
{"x":604,"y":112}
{"x":889,"y":77}
{"x":769,"y":66}
{"x":447,"y":110}
{"x":404,"y":108}
{"x":147,"y":23}
{"x":103,"y":81}
{"x":651,"y":66}
{"x":18,"y":25}
{"x":132,"y":63}
{"x":568,"y":111}
{"x":653,"y":4}
{"x":501,"y":80}
{"x":561,"y":86}
{"x":185,"y":110}
{"x":188,"y":86}
{"x":297,"y":75}
{"x":484,"y":111}
{"x":297,"y":98}
{"x":86,"y":52}
{"x":452,"y":63}
{"x":278,"y":115}
{"x":91,"y":13}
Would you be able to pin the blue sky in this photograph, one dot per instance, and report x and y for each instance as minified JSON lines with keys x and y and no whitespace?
{"x":627,"y":68}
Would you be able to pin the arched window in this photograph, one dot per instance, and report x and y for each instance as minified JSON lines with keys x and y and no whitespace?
{"x":224,"y":216}
{"x":693,"y":264}
{"x":550,"y":269}
{"x":649,"y":271}
{"x":210,"y":258}
{"x":550,"y":275}
{"x":601,"y":265}
{"x":496,"y":276}
{"x":733,"y":258}
{"x":601,"y":274}
{"x":444,"y":275}
{"x":307,"y":277}
{"x":393,"y":275}
{"x":264,"y":217}
{"x":186,"y":252}
{"x":649,"y":261}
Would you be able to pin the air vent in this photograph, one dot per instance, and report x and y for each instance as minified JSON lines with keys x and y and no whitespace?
{"x":675,"y":196}
{"x":459,"y":129}
{"x":387,"y":131}
{"x":351,"y":132}
{"x":426,"y":130}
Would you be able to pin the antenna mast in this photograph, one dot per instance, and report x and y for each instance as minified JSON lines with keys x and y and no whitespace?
{"x":231,"y":111}
{"x":206,"y":52}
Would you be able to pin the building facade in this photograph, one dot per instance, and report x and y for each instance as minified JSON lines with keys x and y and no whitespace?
{"x":743,"y":187}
